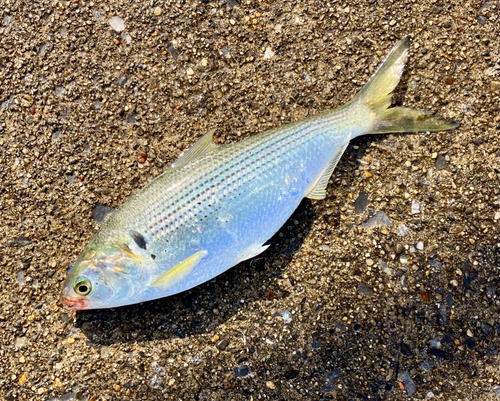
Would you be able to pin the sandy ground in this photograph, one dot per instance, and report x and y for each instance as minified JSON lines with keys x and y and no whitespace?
{"x":332,"y":311}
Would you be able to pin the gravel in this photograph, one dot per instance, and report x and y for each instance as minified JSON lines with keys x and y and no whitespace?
{"x":299,"y":321}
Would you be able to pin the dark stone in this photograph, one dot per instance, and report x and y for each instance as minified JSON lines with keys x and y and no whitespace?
{"x":242,"y":371}
{"x":439,"y":353}
{"x":470,"y":342}
{"x":405,"y":349}
{"x":19,"y":241}
{"x":291,"y":374}
{"x":442,"y":164}
{"x":361,"y":203}
{"x":222,"y":345}
{"x":101,"y":213}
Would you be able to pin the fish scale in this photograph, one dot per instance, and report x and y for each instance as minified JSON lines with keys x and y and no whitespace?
{"x":218,"y":205}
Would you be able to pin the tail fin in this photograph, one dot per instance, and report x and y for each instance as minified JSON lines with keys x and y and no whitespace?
{"x":377,"y":93}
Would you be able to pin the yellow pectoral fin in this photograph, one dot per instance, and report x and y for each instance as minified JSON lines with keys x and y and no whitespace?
{"x":177,"y":273}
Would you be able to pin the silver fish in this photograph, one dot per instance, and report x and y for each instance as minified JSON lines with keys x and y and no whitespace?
{"x":218,"y":205}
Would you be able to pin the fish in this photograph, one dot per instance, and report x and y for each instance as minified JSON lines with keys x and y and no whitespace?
{"x":218,"y":205}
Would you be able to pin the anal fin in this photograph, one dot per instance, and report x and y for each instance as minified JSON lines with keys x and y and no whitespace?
{"x":251,"y":251}
{"x":178,"y":272}
{"x":319,"y":190}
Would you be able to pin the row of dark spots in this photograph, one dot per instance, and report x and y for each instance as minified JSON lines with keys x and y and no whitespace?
{"x":253,"y":162}
{"x":240,"y":162}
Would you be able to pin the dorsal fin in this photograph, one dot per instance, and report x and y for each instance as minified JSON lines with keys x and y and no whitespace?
{"x":319,"y":190}
{"x":204,"y":145}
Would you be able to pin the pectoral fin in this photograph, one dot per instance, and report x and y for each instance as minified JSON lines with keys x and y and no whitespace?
{"x":177,"y":273}
{"x":319,"y":189}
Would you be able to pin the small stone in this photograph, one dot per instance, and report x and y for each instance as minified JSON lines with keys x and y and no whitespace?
{"x":469,"y":333}
{"x":143,"y":156}
{"x":365,"y":290}
{"x":379,"y":219}
{"x":40,"y":391}
{"x":190,"y":72}
{"x":425,"y":296}
{"x":441,"y":163}
{"x":270,"y":385}
{"x":117,"y":387}
{"x":101,"y":213}
{"x":222,"y":345}
{"x":122,"y":81}
{"x":402,"y":231}
{"x":481,"y":20}
{"x":415,"y":207}
{"x":420,"y":245}
{"x":242,"y":371}
{"x":117,"y":23}
{"x":409,"y":383}
{"x":19,"y":242}
{"x":71,"y":340}
{"x":361,"y":203}
{"x":269,"y":53}
{"x":495,"y":85}
{"x":215,"y":338}
{"x":448,"y":79}
{"x":22,"y":359}
{"x":158,"y":11}
{"x":369,"y":262}
{"x":368,"y":174}
{"x":22,"y":379}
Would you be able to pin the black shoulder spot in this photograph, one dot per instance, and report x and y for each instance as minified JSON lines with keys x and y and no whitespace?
{"x":138,"y":239}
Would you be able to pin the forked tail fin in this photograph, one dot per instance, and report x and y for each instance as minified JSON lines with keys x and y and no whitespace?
{"x":377,"y":93}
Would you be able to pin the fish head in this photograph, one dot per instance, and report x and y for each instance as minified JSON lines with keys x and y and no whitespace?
{"x":106,"y":273}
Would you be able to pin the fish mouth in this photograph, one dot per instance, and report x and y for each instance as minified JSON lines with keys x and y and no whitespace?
{"x":75,"y":303}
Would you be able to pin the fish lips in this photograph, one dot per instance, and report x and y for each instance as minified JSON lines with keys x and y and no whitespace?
{"x":75,"y":303}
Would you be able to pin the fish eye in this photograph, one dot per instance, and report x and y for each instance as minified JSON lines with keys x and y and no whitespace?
{"x":82,"y":286}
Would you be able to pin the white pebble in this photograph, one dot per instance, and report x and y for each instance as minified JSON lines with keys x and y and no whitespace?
{"x":415,"y":207}
{"x":117,"y":23}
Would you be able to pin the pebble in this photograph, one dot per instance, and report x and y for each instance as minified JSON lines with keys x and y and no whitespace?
{"x":270,"y":385}
{"x":481,"y":20}
{"x":409,"y":383}
{"x":158,"y":11}
{"x":117,"y":23}
{"x":365,"y":290}
{"x":22,"y":379}
{"x":441,"y":163}
{"x":242,"y":371}
{"x":286,"y":317}
{"x":361,"y":203}
{"x":117,"y":387}
{"x":379,"y":219}
{"x":269,"y":53}
{"x":495,"y":85}
{"x":142,"y":157}
{"x":19,"y":242}
{"x":420,"y":245}
{"x":222,"y":345}
{"x":402,"y":231}
{"x":121,"y":81}
{"x":101,"y":213}
{"x":448,"y":79}
{"x":415,"y":207}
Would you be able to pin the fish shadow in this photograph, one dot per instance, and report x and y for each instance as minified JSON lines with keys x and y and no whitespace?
{"x":207,"y":306}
